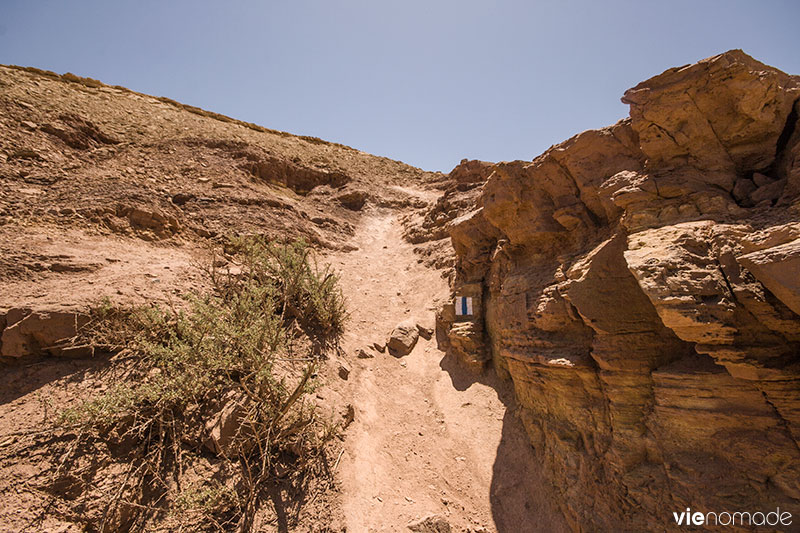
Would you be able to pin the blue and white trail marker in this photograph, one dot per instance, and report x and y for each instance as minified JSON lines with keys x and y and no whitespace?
{"x":463,"y":306}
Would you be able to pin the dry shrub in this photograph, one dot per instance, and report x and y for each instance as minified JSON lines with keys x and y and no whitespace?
{"x":253,"y":343}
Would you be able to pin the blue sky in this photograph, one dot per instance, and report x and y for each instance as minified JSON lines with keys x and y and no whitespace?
{"x":427,"y":82}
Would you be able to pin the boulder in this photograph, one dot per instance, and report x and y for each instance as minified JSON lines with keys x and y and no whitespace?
{"x":725,"y":113}
{"x":364,"y":354}
{"x":352,"y":200}
{"x":402,"y":339}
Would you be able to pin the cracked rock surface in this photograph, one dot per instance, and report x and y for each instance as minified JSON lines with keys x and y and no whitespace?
{"x":640,"y":288}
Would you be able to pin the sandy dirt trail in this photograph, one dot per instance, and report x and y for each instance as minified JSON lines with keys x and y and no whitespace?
{"x":428,"y":436}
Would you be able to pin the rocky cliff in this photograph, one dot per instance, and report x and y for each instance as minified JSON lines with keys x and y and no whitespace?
{"x":640,"y":284}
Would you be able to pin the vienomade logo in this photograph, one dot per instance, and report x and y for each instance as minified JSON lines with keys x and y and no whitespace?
{"x":738,"y":518}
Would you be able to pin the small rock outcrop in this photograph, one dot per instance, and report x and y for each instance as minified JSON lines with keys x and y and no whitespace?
{"x":639,"y":284}
{"x":428,"y":228}
{"x":352,"y":200}
{"x":26,"y":332}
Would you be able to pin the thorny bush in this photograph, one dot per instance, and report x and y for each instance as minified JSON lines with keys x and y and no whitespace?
{"x":249,"y":347}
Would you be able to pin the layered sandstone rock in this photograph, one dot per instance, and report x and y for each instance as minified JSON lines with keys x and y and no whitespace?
{"x":639,"y":284}
{"x":428,"y":228}
{"x":32,"y":332}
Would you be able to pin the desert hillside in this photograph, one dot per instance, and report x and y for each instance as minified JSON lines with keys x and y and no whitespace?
{"x":587,"y":341}
{"x":95,"y":168}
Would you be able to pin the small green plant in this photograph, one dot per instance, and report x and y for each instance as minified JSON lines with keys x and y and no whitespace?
{"x":248,"y":350}
{"x":210,"y":500}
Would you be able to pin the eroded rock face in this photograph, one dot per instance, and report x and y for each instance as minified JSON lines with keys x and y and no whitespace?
{"x":640,"y":287}
{"x":429,"y":227}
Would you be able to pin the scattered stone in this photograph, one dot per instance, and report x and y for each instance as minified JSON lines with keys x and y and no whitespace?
{"x":79,"y":133}
{"x":73,"y":267}
{"x":29,"y":125}
{"x":162,"y":225}
{"x":403,"y":338}
{"x":182,"y":198}
{"x":344,"y":371}
{"x":379,"y":347}
{"x":424,"y":332}
{"x":432,"y":523}
{"x":24,"y":154}
{"x":203,"y":232}
{"x":322,"y":221}
{"x":349,"y":415}
{"x":364,"y":354}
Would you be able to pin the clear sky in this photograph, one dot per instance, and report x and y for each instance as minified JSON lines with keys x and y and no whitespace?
{"x":428,"y":82}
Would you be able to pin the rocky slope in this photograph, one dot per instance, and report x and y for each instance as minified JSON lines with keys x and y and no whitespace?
{"x":640,"y":284}
{"x":111,"y":193}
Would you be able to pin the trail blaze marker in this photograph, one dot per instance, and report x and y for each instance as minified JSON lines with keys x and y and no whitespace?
{"x":463,"y":306}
